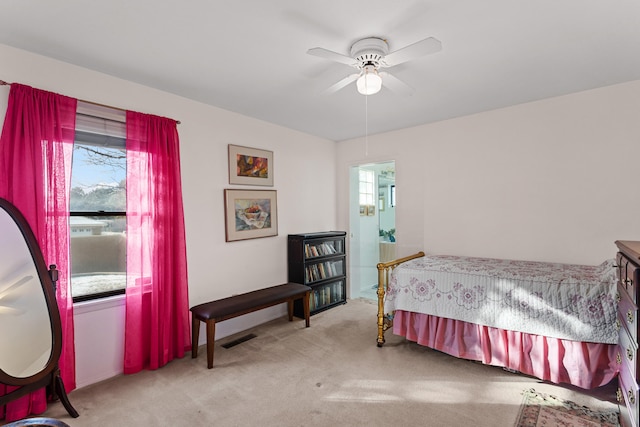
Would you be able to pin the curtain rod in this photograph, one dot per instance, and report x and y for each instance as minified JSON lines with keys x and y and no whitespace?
{"x":3,"y":83}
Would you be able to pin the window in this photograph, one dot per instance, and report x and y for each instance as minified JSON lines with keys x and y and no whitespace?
{"x":366,"y":188}
{"x":392,"y":196}
{"x":98,"y":203}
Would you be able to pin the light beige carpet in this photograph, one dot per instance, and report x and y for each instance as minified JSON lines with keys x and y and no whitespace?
{"x":331,"y":374}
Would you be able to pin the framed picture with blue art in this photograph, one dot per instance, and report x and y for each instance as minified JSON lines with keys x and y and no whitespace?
{"x":250,"y":214}
{"x":250,"y":166}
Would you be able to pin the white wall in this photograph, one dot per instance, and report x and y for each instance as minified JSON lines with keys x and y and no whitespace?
{"x":306,"y":201}
{"x":552,"y":180}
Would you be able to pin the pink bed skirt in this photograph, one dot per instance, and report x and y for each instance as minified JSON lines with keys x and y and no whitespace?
{"x":585,"y":365}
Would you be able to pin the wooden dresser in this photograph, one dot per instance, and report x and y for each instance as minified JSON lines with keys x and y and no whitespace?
{"x":628,"y":273}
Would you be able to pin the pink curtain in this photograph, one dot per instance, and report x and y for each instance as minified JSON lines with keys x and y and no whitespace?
{"x":35,"y":169}
{"x":157,"y":325}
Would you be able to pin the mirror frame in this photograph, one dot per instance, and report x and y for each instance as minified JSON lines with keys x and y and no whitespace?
{"x":49,"y":376}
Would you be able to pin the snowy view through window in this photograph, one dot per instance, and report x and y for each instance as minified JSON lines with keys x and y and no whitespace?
{"x":98,"y":221}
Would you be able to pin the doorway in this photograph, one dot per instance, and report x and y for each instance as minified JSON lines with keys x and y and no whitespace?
{"x":372,"y":224}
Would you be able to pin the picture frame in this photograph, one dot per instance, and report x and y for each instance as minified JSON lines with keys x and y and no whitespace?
{"x":363,"y":210}
{"x":371,"y":210}
{"x":250,"y":214}
{"x":250,"y":166}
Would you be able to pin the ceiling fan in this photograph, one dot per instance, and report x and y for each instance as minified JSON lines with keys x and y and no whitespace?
{"x":371,"y":54}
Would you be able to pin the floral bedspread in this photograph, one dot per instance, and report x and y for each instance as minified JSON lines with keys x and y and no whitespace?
{"x":574,"y":302}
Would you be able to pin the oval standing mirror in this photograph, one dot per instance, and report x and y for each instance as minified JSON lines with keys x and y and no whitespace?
{"x":23,"y":307}
{"x":30,"y":330}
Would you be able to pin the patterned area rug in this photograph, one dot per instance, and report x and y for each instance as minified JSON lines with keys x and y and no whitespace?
{"x":539,"y":409}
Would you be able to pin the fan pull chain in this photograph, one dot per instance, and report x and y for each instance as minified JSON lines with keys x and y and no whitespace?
{"x":366,"y":125}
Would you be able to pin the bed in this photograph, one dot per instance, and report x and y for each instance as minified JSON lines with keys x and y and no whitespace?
{"x":556,"y":322}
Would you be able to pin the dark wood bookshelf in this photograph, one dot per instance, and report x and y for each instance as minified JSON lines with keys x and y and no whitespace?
{"x":319,"y":260}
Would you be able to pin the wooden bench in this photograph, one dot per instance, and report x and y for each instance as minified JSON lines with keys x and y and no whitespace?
{"x":237,"y":305}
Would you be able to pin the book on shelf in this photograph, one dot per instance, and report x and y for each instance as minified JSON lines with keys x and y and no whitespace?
{"x":322,"y":249}
{"x":312,"y":303}
{"x":328,"y":248}
{"x":312,"y":273}
{"x":326,"y":295}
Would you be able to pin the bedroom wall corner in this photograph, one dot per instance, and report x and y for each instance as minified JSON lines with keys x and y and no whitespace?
{"x":305,"y":201}
{"x":541,"y":181}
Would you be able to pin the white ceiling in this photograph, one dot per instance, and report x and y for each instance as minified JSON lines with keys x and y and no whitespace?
{"x":249,"y":56}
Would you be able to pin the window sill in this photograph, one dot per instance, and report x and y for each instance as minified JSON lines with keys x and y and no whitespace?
{"x":98,"y":304}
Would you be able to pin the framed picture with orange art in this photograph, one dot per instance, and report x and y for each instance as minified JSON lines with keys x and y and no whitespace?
{"x":250,"y":166}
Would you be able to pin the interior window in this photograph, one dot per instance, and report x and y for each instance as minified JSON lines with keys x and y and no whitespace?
{"x":392,"y":196}
{"x":98,"y":204}
{"x":366,"y":187}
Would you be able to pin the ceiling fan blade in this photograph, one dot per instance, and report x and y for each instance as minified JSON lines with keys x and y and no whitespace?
{"x":332,"y":56}
{"x":395,"y":84}
{"x":342,"y":83}
{"x":10,"y":310}
{"x":423,"y":47}
{"x":14,"y":286}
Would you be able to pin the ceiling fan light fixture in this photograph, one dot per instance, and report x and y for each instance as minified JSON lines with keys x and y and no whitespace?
{"x":369,"y":82}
